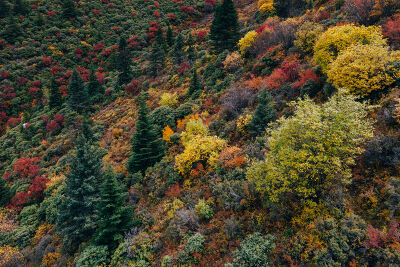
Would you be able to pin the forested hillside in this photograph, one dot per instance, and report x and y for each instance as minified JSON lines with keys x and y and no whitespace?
{"x":199,"y":133}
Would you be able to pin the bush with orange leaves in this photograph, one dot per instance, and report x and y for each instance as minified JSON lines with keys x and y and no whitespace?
{"x":50,"y":258}
{"x":10,"y":257}
{"x":232,"y":157}
{"x":233,"y":62}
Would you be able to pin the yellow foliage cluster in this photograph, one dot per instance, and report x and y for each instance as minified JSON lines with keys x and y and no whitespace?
{"x":41,"y":231}
{"x":50,"y":258}
{"x":194,"y":127}
{"x":265,"y":6}
{"x":363,"y":68}
{"x":169,"y":100}
{"x":172,"y":207}
{"x":242,"y":122}
{"x":337,"y":39}
{"x":247,"y":41}
{"x":10,"y":256}
{"x":307,"y":35}
{"x":199,"y":147}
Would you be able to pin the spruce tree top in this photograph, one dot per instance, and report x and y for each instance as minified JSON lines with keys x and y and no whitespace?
{"x":224,"y":31}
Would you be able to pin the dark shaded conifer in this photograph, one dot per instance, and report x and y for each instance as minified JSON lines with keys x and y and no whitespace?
{"x":77,"y":94}
{"x":77,"y":214}
{"x":224,"y":31}
{"x":178,"y":49}
{"x":264,"y":114}
{"x":114,"y":217}
{"x":147,"y":148}
{"x":55,"y":97}
{"x":195,"y":88}
{"x":124,"y":62}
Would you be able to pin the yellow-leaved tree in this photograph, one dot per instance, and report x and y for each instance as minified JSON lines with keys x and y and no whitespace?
{"x":199,"y":147}
{"x":307,"y":35}
{"x":363,"y":69}
{"x":336,"y":39}
{"x":247,"y":41}
{"x":310,"y":153}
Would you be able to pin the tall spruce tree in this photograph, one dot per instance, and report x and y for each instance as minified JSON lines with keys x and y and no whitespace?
{"x":114,"y":217}
{"x":178,"y":49}
{"x":170,"y":36}
{"x":190,"y":51}
{"x":147,"y":148}
{"x":282,"y":7}
{"x":94,"y":88}
{"x":224,"y":31}
{"x":157,"y":57}
{"x":264,"y":114}
{"x":68,"y":9}
{"x":55,"y":97}
{"x":195,"y":88}
{"x":20,"y":7}
{"x":5,"y":193}
{"x":124,"y":62}
{"x":12,"y":30}
{"x":77,"y":213}
{"x":4,"y":8}
{"x":77,"y":95}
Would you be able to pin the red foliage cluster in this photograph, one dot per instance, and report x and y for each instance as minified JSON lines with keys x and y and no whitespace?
{"x":34,"y":191}
{"x":263,"y":27}
{"x":174,"y":191}
{"x":96,"y":12}
{"x":21,"y":81}
{"x":46,"y":61}
{"x":201,"y":34}
{"x":133,"y":88}
{"x":51,"y":13}
{"x":391,"y":29}
{"x":184,"y":66}
{"x":306,"y":76}
{"x":25,"y":168}
{"x":5,"y":74}
{"x":210,"y":2}
{"x":55,"y":124}
{"x":156,"y":14}
{"x":156,"y":4}
{"x":171,"y":16}
{"x":133,"y":42}
{"x":378,"y":239}
{"x":188,"y":10}
{"x":98,"y":47}
{"x":286,"y":73}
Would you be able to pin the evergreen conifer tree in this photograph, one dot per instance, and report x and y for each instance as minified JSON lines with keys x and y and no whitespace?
{"x":157,"y":57}
{"x":224,"y":31}
{"x":55,"y":97}
{"x":147,"y":148}
{"x":68,"y":9}
{"x":77,"y":95}
{"x":114,"y":217}
{"x":39,"y":19}
{"x":178,"y":49}
{"x":124,"y":62}
{"x":195,"y":88}
{"x":94,"y":88}
{"x":77,"y":213}
{"x":170,"y":36}
{"x":20,"y":7}
{"x":4,"y":8}
{"x":5,"y":193}
{"x":264,"y":114}
{"x":11,"y":30}
{"x":190,"y":51}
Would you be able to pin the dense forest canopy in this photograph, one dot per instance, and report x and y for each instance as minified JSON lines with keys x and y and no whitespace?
{"x":199,"y":133}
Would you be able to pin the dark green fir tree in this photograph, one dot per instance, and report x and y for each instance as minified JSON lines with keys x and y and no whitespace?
{"x":5,"y":192}
{"x":4,"y":8}
{"x":147,"y":148}
{"x":55,"y":97}
{"x":157,"y":58}
{"x":170,"y":36}
{"x":12,"y":30}
{"x":124,"y":62}
{"x":264,"y":114}
{"x":195,"y":88}
{"x":114,"y":217}
{"x":178,"y":49}
{"x":68,"y":9}
{"x":190,"y":51}
{"x":282,"y":7}
{"x":77,"y":95}
{"x":20,"y":7}
{"x":77,"y":215}
{"x":94,"y":88}
{"x":224,"y":31}
{"x":39,"y":19}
